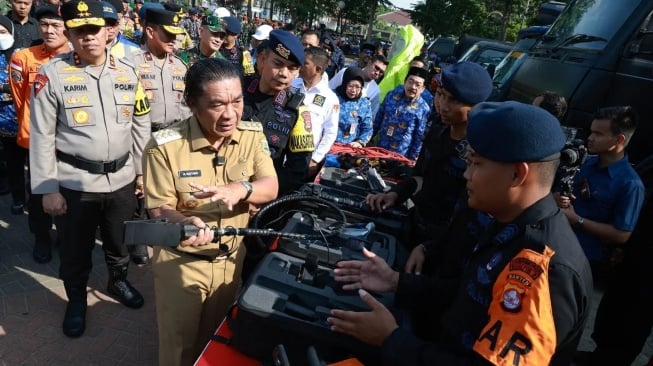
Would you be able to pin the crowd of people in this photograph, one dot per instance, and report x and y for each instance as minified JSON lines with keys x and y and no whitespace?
{"x":155,"y":111}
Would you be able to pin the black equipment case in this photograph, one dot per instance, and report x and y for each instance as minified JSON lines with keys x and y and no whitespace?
{"x":287,"y":301}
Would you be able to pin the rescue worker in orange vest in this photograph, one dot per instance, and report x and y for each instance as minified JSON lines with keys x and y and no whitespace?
{"x":24,"y":65}
{"x":524,"y":293}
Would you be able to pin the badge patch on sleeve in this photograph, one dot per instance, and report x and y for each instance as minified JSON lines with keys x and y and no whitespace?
{"x":142,"y":105}
{"x":39,"y":83}
{"x":264,"y":146}
{"x":16,"y":76}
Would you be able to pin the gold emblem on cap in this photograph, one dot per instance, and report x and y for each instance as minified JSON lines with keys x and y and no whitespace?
{"x":175,"y":20}
{"x":82,"y":7}
{"x":81,"y":117}
{"x":282,"y":51}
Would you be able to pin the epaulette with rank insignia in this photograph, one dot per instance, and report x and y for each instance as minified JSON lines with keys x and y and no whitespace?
{"x":166,"y":135}
{"x":250,"y":126}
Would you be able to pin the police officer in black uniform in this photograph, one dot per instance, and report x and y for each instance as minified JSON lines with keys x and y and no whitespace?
{"x":270,"y":100}
{"x":524,"y":293}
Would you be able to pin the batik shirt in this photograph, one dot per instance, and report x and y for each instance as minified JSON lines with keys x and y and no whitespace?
{"x":355,"y":124}
{"x":8,"y":122}
{"x":401,"y":123}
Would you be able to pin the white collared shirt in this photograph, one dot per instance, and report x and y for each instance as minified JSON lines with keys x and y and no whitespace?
{"x":324,"y":106}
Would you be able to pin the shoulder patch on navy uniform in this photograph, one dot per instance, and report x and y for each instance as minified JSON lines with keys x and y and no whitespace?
{"x":166,"y":135}
{"x":250,"y":126}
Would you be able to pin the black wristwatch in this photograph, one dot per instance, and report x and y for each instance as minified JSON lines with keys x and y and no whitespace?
{"x":249,"y":188}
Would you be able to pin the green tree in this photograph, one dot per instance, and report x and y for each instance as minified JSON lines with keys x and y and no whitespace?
{"x":500,"y":19}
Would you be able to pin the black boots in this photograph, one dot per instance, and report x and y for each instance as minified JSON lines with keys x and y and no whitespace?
{"x":119,"y":287}
{"x":74,"y":322}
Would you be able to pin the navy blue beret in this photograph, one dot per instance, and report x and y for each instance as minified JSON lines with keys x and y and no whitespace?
{"x":467,"y":81}
{"x":514,"y":132}
{"x":232,"y":24}
{"x":286,"y":45}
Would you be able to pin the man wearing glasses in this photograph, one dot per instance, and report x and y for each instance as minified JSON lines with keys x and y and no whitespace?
{"x":372,"y":72}
{"x":120,"y":46}
{"x":311,"y":38}
{"x":401,"y":121}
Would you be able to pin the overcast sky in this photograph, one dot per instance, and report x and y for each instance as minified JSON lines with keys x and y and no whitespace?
{"x":406,"y":4}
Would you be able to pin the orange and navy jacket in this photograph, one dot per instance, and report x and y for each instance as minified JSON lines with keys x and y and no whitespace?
{"x":522,"y":299}
{"x":23,"y":68}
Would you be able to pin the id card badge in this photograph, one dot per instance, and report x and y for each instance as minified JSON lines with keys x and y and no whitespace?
{"x":390,"y":131}
{"x":352,"y":128}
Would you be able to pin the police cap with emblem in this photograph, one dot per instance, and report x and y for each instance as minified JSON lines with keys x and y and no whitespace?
{"x":78,"y":13}
{"x":49,"y":11}
{"x":287,"y":46}
{"x":213,"y":23}
{"x":468,"y":82}
{"x":168,"y":20}
{"x":514,"y":132}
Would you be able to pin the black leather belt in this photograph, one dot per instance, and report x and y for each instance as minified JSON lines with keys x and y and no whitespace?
{"x":208,"y":258}
{"x":95,"y":167}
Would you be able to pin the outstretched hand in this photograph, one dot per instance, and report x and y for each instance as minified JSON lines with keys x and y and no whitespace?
{"x":371,"y":327}
{"x":374,"y":274}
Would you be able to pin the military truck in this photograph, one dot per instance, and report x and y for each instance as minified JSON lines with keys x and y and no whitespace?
{"x":596,"y":54}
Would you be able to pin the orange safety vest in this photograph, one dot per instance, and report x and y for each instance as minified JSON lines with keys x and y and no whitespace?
{"x":521,"y":329}
{"x":23,"y":67}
